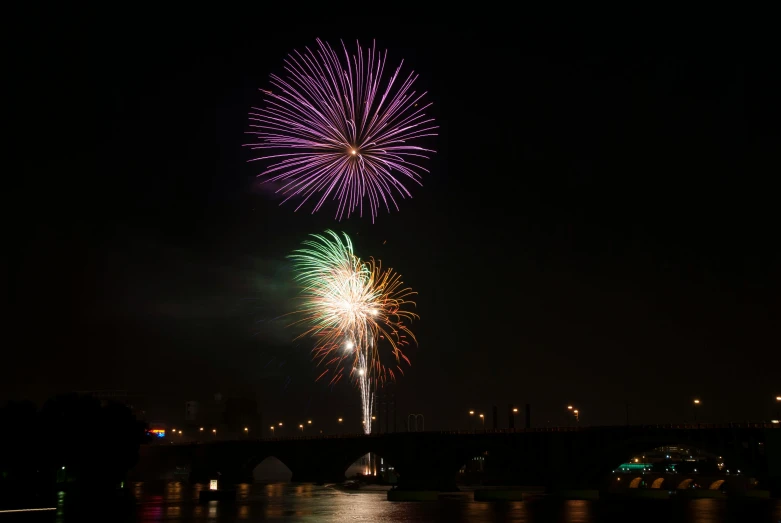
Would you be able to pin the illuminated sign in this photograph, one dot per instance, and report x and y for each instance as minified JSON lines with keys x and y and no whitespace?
{"x":158,"y":433}
{"x":213,"y":484}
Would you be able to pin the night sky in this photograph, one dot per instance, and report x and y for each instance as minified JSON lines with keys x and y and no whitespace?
{"x":599,"y":227}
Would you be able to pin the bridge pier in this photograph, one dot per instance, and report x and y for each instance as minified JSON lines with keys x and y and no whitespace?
{"x":225,"y":474}
{"x":313,"y":473}
{"x":427,"y":479}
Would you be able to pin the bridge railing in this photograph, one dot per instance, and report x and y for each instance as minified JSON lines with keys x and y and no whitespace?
{"x":669,"y":426}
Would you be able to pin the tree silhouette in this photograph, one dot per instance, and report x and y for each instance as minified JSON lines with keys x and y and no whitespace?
{"x":20,"y":460}
{"x":96,"y":443}
{"x":74,"y":439}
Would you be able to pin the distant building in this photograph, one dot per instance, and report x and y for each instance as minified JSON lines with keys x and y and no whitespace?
{"x":224,"y":417}
{"x":241,"y":414}
{"x":207,"y":415}
{"x":191,"y":411}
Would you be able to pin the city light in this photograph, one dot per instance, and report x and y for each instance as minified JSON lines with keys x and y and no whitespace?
{"x":515,"y":409}
{"x":696,"y":402}
{"x":569,"y":407}
{"x":471,"y":413}
{"x":309,"y":422}
{"x":201,"y":429}
{"x":246,"y":429}
{"x":280,"y":423}
{"x":214,"y":431}
{"x":339,"y":420}
{"x":778,"y":398}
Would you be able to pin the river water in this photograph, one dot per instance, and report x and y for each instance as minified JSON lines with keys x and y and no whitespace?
{"x":284,"y":502}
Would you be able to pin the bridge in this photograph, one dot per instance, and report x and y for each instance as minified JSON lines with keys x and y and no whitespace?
{"x":565,"y":457}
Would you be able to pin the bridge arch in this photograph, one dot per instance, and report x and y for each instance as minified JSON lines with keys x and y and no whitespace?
{"x":657,"y":483}
{"x":716,"y":485}
{"x":686,"y":483}
{"x":635,"y":483}
{"x":372,"y":467}
{"x":271,"y":470}
{"x":690,"y":459}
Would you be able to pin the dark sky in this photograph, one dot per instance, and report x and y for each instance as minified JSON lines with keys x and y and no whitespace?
{"x":600,"y":225}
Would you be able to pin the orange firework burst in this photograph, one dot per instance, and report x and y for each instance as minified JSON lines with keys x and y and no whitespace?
{"x":352,"y":309}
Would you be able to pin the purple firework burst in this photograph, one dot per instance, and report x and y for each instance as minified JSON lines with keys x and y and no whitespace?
{"x":334,"y":129}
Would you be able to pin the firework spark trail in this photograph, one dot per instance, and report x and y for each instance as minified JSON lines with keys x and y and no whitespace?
{"x":352,"y":308}
{"x":367,"y":392}
{"x":331,"y":130}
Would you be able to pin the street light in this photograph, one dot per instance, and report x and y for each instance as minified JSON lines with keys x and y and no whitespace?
{"x":272,"y":430}
{"x":201,"y":429}
{"x":309,"y":422}
{"x":515,"y":410}
{"x":482,"y":418}
{"x":246,"y":429}
{"x":575,"y":412}
{"x":214,"y":431}
{"x":696,"y":404}
{"x":301,"y":426}
{"x":180,"y":432}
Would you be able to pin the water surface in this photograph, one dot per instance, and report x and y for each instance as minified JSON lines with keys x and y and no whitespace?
{"x":286,"y":502}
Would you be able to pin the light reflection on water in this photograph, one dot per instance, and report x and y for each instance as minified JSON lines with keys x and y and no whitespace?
{"x":178,"y":502}
{"x":578,"y":511}
{"x":704,"y":511}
